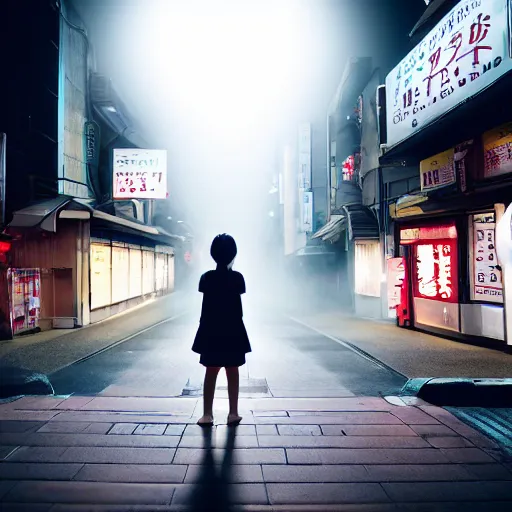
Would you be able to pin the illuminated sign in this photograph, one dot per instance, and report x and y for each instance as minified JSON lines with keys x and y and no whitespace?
{"x":427,"y":233}
{"x":436,"y":271}
{"x":438,"y":171}
{"x":464,"y":53}
{"x":498,"y":151}
{"x":140,"y":174}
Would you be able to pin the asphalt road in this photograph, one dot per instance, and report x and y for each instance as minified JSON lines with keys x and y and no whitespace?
{"x":288,"y":360}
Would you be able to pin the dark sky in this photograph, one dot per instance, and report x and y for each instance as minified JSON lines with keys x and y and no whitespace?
{"x":217,"y":83}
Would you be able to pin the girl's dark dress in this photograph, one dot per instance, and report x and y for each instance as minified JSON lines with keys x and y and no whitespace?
{"x":221,"y":338}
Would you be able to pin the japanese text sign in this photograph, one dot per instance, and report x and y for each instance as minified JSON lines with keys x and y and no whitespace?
{"x":140,"y":174}
{"x":438,"y":171}
{"x":498,"y":151}
{"x":464,"y":53}
{"x":436,"y":271}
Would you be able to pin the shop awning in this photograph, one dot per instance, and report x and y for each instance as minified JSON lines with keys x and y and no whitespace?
{"x":44,"y":214}
{"x":361,"y":222}
{"x":433,"y":9}
{"x":331,"y":232}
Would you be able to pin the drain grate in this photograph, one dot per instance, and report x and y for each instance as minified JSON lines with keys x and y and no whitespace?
{"x":494,"y":423}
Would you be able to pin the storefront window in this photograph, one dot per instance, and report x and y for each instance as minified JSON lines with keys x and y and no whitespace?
{"x":486,"y":283}
{"x":148,"y":272}
{"x":135,"y":272}
{"x":100,"y":276}
{"x":120,"y":272}
{"x":436,"y":270}
{"x":368,"y":268}
{"x":161,"y":277}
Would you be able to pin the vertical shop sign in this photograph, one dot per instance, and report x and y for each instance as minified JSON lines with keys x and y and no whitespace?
{"x":305,"y":156}
{"x":498,"y":151}
{"x":487,"y":279}
{"x":461,"y":156}
{"x":395,"y":278}
{"x":436,"y":271}
{"x":307,"y":212}
{"x":438,"y":171}
{"x":465,"y":52}
{"x":3,"y":150}
{"x":92,"y":143}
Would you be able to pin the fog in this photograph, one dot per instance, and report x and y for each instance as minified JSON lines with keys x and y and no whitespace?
{"x":222,"y":85}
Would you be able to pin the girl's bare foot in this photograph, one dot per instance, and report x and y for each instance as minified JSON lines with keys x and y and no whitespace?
{"x":206,"y":421}
{"x":234,"y":419}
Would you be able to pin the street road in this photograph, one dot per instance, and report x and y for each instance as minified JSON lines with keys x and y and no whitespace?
{"x":288,"y":360}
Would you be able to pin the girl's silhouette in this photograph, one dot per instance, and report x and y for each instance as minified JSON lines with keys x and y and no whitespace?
{"x":221,"y":338}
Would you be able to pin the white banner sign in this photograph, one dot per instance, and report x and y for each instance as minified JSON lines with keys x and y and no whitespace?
{"x":466,"y":51}
{"x":307,"y":212}
{"x":305,"y":156}
{"x":140,"y":173}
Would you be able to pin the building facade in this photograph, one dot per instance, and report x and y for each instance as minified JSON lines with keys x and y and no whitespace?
{"x":73,"y":243}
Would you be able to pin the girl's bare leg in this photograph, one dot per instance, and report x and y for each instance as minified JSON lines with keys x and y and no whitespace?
{"x":210,"y":380}
{"x":233,"y":388}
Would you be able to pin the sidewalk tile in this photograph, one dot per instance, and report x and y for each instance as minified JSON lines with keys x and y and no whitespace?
{"x":449,"y":442}
{"x":314,"y":474}
{"x":98,"y":428}
{"x":94,"y":455}
{"x":326,"y":493}
{"x":19,"y":427}
{"x":448,"y":491}
{"x":299,"y":430}
{"x":91,"y":492}
{"x":359,"y":442}
{"x":68,"y":440}
{"x":367,"y":430}
{"x":239,"y":456}
{"x":177,"y":405}
{"x":38,"y":403}
{"x":266,"y":430}
{"x":26,"y":507}
{"x":488,"y":471}
{"x":251,"y":494}
{"x":151,"y":429}
{"x":466,"y":455}
{"x":270,"y":414}
{"x":346,"y":418}
{"x":366,"y":456}
{"x":465,"y":506}
{"x":114,"y":417}
{"x":64,"y":427}
{"x":241,"y":473}
{"x":74,"y":403}
{"x":40,"y":416}
{"x":133,"y":473}
{"x":433,"y":430}
{"x":174,"y":430}
{"x":417,"y":473}
{"x":34,"y":471}
{"x":123,"y":429}
{"x":6,"y":451}
{"x":5,"y":487}
{"x":414,"y":416}
{"x":38,"y":454}
{"x":218,"y":441}
{"x":241,"y":430}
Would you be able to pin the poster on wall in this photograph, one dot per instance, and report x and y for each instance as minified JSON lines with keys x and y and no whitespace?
{"x":438,"y":171}
{"x":25,"y":288}
{"x":140,"y":173}
{"x":395,"y":278}
{"x":436,"y":271}
{"x":487,"y":281}
{"x":464,"y":53}
{"x":498,"y":151}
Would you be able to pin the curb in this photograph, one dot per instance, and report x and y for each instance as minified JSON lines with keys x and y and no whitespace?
{"x":353,"y":348}
{"x":461,"y":392}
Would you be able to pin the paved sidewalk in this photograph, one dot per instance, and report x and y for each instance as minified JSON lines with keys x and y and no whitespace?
{"x":48,"y":352}
{"x":363,"y":454}
{"x":412,"y":353}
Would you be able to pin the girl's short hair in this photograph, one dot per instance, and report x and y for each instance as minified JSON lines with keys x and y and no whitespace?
{"x":223,"y":249}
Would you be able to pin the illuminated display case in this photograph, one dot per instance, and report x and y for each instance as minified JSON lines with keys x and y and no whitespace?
{"x":148,"y":272}
{"x":120,"y":273}
{"x":135,"y":285}
{"x":368,"y":268}
{"x":100,"y":276}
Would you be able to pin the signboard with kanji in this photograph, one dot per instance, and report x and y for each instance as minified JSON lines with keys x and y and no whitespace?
{"x":140,"y":174}
{"x":464,"y":53}
{"x":498,"y":151}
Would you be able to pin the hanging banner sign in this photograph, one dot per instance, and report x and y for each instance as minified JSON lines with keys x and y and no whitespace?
{"x":92,"y":143}
{"x":438,"y":171}
{"x":466,"y":51}
{"x":140,"y":173}
{"x":498,"y":151}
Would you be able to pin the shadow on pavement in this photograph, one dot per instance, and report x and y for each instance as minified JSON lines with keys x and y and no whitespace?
{"x":212,"y":489}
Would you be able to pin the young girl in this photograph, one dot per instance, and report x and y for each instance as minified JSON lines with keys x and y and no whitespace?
{"x":221,"y":338}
